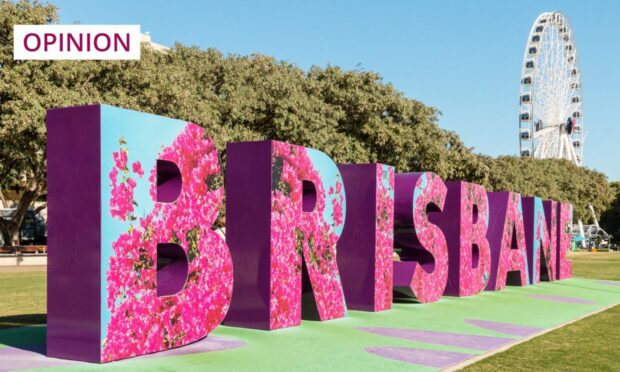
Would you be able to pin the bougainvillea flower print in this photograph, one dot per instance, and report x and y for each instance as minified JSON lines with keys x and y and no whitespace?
{"x":423,"y":269}
{"x":141,"y":321}
{"x":121,"y":202}
{"x":551,"y":218}
{"x":465,"y":220}
{"x":365,"y":248}
{"x":384,"y":237}
{"x":304,"y":236}
{"x":564,"y":266}
{"x":507,"y":239}
{"x":474,"y":223}
{"x":537,"y":240}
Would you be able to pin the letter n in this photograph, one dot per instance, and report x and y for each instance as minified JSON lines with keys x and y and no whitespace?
{"x":540,"y":252}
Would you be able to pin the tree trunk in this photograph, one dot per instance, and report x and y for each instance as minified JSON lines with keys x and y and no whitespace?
{"x":9,"y":233}
{"x":9,"y":227}
{"x":3,"y":203}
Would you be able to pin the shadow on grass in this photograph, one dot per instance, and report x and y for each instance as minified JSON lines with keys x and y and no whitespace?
{"x":22,"y":320}
{"x":405,"y":300}
{"x":25,"y":332}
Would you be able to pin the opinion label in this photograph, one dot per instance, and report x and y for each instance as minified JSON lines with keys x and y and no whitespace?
{"x":76,"y":42}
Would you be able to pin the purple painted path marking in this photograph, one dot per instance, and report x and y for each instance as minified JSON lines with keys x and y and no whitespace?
{"x":609,"y":282}
{"x":14,"y":358}
{"x":208,"y":344}
{"x":508,"y":328}
{"x":431,"y":358}
{"x":569,"y":300}
{"x":442,"y":338}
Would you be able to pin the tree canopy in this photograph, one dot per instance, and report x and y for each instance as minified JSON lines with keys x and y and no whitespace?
{"x":353,"y":116}
{"x":610,"y":218}
{"x":552,"y":179}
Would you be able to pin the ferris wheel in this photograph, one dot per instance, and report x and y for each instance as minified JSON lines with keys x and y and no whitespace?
{"x":550,"y":116}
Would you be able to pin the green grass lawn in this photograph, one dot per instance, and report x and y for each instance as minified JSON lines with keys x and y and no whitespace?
{"x":22,"y":296}
{"x":590,"y":344}
{"x":596,"y":265}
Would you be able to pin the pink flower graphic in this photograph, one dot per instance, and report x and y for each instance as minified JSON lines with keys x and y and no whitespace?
{"x":121,"y":202}
{"x":384,"y":237}
{"x":298,"y":236}
{"x":474,"y":280}
{"x":141,"y":322}
{"x":429,"y":287}
{"x":512,"y":259}
{"x":565,"y":267}
{"x":120,"y":158}
{"x":137,"y":169}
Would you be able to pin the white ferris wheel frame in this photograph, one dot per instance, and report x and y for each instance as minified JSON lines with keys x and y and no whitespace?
{"x":550,"y":92}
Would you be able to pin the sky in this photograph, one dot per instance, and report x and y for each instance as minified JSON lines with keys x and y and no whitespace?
{"x":462,"y":57}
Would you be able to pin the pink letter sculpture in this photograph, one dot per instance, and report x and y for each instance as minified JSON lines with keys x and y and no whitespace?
{"x":365,"y":248}
{"x":134,"y":266}
{"x":507,"y":240}
{"x":423,"y":270}
{"x":285,"y":212}
{"x":540,"y":254}
{"x":564,"y":266}
{"x":464,"y":221}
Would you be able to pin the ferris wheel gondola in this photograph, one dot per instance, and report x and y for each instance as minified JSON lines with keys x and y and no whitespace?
{"x":550,"y":99}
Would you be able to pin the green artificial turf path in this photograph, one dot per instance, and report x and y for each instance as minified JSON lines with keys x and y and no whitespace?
{"x":342,"y":344}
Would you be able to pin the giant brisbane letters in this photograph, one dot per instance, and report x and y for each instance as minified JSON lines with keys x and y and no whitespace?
{"x":135,"y":265}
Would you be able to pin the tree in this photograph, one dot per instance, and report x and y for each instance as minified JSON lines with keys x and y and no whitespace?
{"x":610,"y":218}
{"x":554,"y":179}
{"x":27,"y":89}
{"x":22,"y":138}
